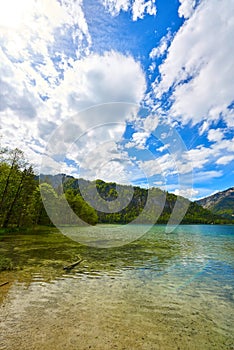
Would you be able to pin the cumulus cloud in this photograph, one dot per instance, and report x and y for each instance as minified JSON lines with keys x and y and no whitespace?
{"x":95,"y":153}
{"x":215,"y":135}
{"x":201,"y":155}
{"x":163,"y":165}
{"x":192,"y":164}
{"x":199,"y":66}
{"x":186,"y":8}
{"x":32,"y":41}
{"x":187,"y":193}
{"x":105,"y":161}
{"x":138,"y":8}
{"x":115,"y":84}
{"x":42,"y":87}
{"x":50,"y":79}
{"x":29,"y":72}
{"x":138,"y":140}
{"x":161,"y":48}
{"x":97,"y":79}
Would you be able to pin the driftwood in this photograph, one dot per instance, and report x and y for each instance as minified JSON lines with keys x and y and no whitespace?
{"x":71,"y":266}
{"x":3,"y":284}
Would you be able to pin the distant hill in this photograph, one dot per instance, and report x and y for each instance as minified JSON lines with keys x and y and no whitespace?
{"x":220,"y":203}
{"x":196,"y":214}
{"x":54,"y":180}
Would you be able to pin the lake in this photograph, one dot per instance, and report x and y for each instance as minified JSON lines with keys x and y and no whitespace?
{"x":164,"y":291}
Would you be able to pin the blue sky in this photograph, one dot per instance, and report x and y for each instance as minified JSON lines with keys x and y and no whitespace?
{"x":130,"y":91}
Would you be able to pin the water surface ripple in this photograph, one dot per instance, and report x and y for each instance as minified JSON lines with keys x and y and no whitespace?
{"x":165,"y":291}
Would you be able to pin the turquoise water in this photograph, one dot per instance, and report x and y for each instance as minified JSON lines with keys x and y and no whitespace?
{"x":164,"y":291}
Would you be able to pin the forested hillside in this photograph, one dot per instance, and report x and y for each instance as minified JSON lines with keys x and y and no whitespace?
{"x":20,"y":195}
{"x":221,"y":203}
{"x":195,"y":213}
{"x":21,"y":203}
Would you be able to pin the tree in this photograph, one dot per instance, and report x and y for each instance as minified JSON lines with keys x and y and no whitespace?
{"x":15,"y":160}
{"x":48,"y":208}
{"x":17,"y":183}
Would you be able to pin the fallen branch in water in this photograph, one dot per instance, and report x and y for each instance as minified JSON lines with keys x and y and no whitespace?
{"x":71,"y":266}
{"x":3,"y":284}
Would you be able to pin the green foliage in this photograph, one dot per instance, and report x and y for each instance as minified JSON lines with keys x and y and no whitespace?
{"x":225,"y":207}
{"x":17,"y":183}
{"x":107,"y":191}
{"x":25,"y":202}
{"x":80,"y":208}
{"x":220,"y":203}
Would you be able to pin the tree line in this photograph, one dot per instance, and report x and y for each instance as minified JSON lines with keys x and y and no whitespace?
{"x":21,"y":201}
{"x":155,"y":197}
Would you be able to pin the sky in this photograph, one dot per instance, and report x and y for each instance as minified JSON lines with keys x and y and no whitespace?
{"x":132,"y":91}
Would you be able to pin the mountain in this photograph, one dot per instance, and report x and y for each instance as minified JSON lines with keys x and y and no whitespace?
{"x":106,"y":195}
{"x":220,"y":203}
{"x":54,"y":180}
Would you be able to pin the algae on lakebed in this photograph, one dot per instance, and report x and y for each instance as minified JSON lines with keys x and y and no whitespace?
{"x":36,"y":247}
{"x":44,"y":249}
{"x":164,"y":291}
{"x":5,"y":264}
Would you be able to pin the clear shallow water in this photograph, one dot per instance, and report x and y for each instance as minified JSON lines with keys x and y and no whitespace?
{"x":164,"y":291}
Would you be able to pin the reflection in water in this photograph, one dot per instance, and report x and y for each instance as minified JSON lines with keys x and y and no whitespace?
{"x":162,"y":292}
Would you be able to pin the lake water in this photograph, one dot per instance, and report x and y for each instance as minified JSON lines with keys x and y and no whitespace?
{"x":164,"y":291}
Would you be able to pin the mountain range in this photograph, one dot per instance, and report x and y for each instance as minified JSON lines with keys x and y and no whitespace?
{"x":220,"y":203}
{"x":216,"y":209}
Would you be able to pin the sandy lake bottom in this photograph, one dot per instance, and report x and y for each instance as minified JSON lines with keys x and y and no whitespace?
{"x":162,"y":292}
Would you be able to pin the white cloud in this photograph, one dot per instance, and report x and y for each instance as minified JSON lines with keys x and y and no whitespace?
{"x":144,"y":128}
{"x":163,"y":165}
{"x":220,"y":152}
{"x":139,"y":139}
{"x":162,"y":148}
{"x":223,"y":146}
{"x":30,"y":44}
{"x":115,"y":6}
{"x":28,"y":72}
{"x":187,"y":193}
{"x":209,"y":175}
{"x":27,"y":69}
{"x":44,"y":83}
{"x":225,"y":159}
{"x":199,"y":66}
{"x":108,"y":78}
{"x":150,"y":123}
{"x":199,"y":156}
{"x":36,"y":25}
{"x":161,"y":48}
{"x":138,"y":7}
{"x":196,"y":159}
{"x":215,"y":135}
{"x":230,"y":118}
{"x":98,"y":80}
{"x":186,"y":8}
{"x":105,"y":161}
{"x":204,"y":127}
{"x":95,"y":80}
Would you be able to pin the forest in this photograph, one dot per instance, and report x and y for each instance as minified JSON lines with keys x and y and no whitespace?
{"x":195,"y":214}
{"x":20,"y":195}
{"x":21,"y":203}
